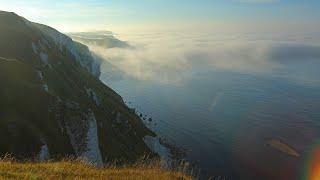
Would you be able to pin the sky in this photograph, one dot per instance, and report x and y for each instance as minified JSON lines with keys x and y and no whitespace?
{"x":80,"y":15}
{"x":259,"y":29}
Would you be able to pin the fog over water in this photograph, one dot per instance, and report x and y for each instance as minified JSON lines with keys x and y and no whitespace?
{"x":169,"y":57}
{"x":229,"y":99}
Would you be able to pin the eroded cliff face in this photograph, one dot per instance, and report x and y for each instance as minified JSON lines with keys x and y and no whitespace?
{"x":52,"y":102}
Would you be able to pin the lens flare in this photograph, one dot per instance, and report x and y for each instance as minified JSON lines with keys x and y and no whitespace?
{"x":314,"y":168}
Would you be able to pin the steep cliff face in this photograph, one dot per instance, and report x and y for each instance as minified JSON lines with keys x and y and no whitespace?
{"x":102,"y":39}
{"x":52,"y":102}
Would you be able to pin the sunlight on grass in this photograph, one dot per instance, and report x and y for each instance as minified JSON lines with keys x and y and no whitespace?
{"x":76,"y":170}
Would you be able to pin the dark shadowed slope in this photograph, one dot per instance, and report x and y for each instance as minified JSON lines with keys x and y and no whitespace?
{"x":52,"y":103}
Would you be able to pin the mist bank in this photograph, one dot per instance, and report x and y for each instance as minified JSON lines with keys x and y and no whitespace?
{"x":172,"y":57}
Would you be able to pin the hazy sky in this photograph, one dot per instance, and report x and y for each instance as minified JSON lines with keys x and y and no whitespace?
{"x":77,"y":15}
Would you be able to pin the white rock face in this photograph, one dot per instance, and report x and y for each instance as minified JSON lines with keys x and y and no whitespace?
{"x":66,"y":45}
{"x":92,"y":95}
{"x":154,"y":144}
{"x":40,"y":75}
{"x":40,"y":49}
{"x":44,"y":153}
{"x":93,"y":151}
{"x":34,"y":48}
{"x":79,"y":51}
{"x":95,"y":68}
{"x":44,"y":58}
{"x":86,"y":148}
{"x":45,"y":87}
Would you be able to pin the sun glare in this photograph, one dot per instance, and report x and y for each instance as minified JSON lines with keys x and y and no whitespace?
{"x":314,"y":169}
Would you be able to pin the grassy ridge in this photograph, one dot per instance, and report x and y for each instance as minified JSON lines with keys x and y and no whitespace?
{"x":78,"y":170}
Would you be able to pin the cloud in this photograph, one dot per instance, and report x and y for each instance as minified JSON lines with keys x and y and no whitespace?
{"x":173,"y":57}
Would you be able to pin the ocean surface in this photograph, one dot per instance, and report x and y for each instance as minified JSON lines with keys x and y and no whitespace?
{"x":225,"y":99}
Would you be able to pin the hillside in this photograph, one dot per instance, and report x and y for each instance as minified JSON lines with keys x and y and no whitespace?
{"x":76,"y":170}
{"x":54,"y":105}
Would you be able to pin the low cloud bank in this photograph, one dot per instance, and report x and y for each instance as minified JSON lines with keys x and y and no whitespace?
{"x":172,"y":57}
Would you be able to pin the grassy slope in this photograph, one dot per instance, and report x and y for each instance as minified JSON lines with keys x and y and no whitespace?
{"x":28,"y":113}
{"x":24,"y":111}
{"x":76,"y":170}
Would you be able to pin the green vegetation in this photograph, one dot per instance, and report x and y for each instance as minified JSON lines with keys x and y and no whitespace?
{"x":23,"y":108}
{"x":44,"y":101}
{"x":78,"y":170}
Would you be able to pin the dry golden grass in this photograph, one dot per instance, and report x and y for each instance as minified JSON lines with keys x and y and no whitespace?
{"x":78,"y":170}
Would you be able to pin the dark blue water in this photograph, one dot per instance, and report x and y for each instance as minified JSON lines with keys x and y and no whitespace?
{"x":224,"y":118}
